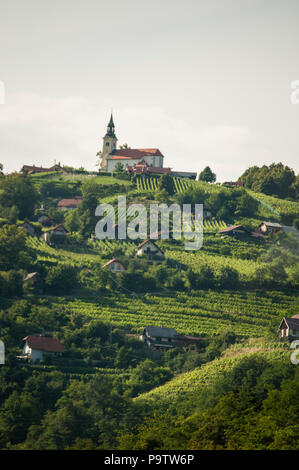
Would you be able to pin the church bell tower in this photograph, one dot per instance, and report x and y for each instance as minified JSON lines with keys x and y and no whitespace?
{"x":109,"y":143}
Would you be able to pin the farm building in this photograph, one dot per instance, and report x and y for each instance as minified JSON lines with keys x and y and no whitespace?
{"x":160,"y":338}
{"x":269,"y":227}
{"x":37,"y":347}
{"x":289,"y":328}
{"x":32,"y":169}
{"x":67,"y":204}
{"x":149,"y":249}
{"x":234,"y":230}
{"x":114,"y":265}
{"x":58,"y":233}
{"x":46,"y":221}
{"x":143,"y":168}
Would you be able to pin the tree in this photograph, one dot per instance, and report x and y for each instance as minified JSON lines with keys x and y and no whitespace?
{"x":14,"y":253}
{"x":119,"y":168}
{"x":18,"y":190}
{"x":166,"y":182}
{"x":61,"y":279}
{"x":207,"y":175}
{"x":274,"y":180}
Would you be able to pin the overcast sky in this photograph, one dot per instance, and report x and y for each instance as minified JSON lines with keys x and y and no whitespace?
{"x":207,"y":82}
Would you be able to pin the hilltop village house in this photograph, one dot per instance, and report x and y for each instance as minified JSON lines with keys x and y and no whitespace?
{"x":32,"y":169}
{"x":269,"y":227}
{"x":67,"y":204}
{"x":46,"y":221}
{"x":160,"y":339}
{"x":240,"y":231}
{"x":37,"y":347}
{"x":144,"y":168}
{"x":115,"y":265}
{"x":289,"y":328}
{"x":58,"y":233}
{"x":234,"y":230}
{"x":149,"y":249}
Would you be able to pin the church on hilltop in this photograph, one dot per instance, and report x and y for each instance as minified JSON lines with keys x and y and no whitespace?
{"x":130,"y":158}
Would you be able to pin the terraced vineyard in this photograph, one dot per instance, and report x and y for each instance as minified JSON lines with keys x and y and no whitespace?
{"x":79,"y":256}
{"x":275,"y":205}
{"x":201,"y":312}
{"x":151,"y":184}
{"x":190,"y":384}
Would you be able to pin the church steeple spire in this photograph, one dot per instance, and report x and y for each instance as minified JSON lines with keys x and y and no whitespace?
{"x":109,"y":143}
{"x":110,"y":128}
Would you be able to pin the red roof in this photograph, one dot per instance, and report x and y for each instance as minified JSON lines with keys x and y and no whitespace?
{"x":44,"y":343}
{"x":135,"y":153}
{"x":74,"y":202}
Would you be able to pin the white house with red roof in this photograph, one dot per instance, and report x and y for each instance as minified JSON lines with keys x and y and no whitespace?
{"x":111,"y":155}
{"x":36,"y":347}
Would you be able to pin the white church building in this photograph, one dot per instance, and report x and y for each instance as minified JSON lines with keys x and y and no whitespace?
{"x":111,"y":155}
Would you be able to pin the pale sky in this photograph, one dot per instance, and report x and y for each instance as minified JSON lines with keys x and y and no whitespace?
{"x":207,"y":82}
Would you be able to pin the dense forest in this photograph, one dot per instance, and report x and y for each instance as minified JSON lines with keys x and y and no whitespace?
{"x":237,"y":390}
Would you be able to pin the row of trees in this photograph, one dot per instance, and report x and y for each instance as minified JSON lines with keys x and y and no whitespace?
{"x":274,"y":180}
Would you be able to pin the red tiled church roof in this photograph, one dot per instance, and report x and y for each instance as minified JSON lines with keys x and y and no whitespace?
{"x":44,"y":343}
{"x":134,"y":153}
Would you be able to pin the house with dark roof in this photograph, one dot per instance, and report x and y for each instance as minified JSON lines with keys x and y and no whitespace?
{"x":234,"y":230}
{"x":269,"y":227}
{"x":28,"y":227}
{"x":37,"y":347}
{"x":289,"y":328}
{"x":57,"y":233}
{"x":115,"y":265}
{"x":161,"y":338}
{"x":111,"y":155}
{"x":149,"y":249}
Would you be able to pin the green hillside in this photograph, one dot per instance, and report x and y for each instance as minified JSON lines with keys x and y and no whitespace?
{"x":231,"y":295}
{"x":186,"y":387}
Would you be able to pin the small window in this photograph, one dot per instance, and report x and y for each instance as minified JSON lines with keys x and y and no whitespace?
{"x":107,"y":144}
